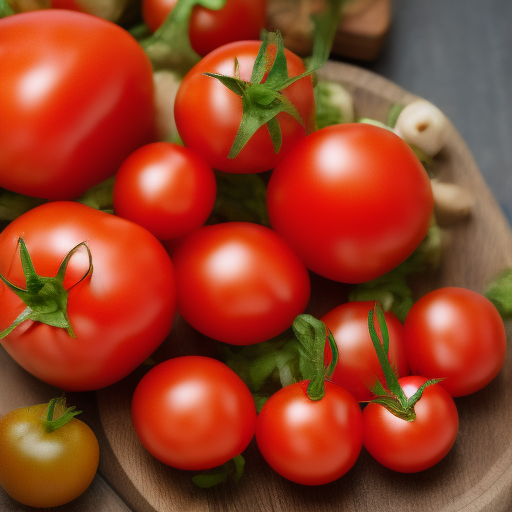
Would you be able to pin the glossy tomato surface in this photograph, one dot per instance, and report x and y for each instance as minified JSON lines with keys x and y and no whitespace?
{"x":352,"y":200}
{"x":208,"y":114}
{"x":239,"y":283}
{"x":237,"y":20}
{"x":76,"y":99}
{"x":310,"y":442}
{"x":165,"y":188}
{"x":193,"y":412}
{"x":120,"y":312}
{"x":412,"y":446}
{"x":358,"y":367}
{"x":458,"y":335}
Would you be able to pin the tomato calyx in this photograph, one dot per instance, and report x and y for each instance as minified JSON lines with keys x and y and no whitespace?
{"x":392,"y":397}
{"x":232,"y":469}
{"x":64,"y":414}
{"x":45,"y":297}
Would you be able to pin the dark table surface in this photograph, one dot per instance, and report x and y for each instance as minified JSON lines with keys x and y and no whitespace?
{"x":458,"y":55}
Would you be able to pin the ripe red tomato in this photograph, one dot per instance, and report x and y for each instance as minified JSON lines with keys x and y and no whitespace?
{"x":76,"y":99}
{"x":412,"y":446}
{"x":306,"y":441}
{"x":358,"y":366}
{"x":120,"y":312}
{"x":193,"y":412}
{"x":457,"y":334}
{"x":239,"y":283}
{"x":238,"y":20}
{"x":208,"y":114}
{"x":351,"y":200}
{"x":165,"y":188}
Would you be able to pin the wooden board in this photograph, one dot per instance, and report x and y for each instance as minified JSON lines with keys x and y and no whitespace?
{"x":475,"y":477}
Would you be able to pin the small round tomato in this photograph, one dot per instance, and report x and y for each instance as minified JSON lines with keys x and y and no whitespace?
{"x":193,"y":412}
{"x":165,"y":188}
{"x":208,"y":114}
{"x":41,"y":467}
{"x":458,"y":335}
{"x":412,"y":446}
{"x":210,"y":28}
{"x":239,"y":283}
{"x":358,"y":366}
{"x":310,"y":442}
{"x":352,"y":200}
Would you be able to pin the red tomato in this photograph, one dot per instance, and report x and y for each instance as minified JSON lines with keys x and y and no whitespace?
{"x":358,"y":366}
{"x":208,"y":114}
{"x":76,"y":99}
{"x":239,"y":283}
{"x":456,"y":334}
{"x":165,"y":188}
{"x":352,"y":200}
{"x":193,"y":412}
{"x":310,"y":442}
{"x":237,"y":20}
{"x":120,"y":313}
{"x":412,"y":446}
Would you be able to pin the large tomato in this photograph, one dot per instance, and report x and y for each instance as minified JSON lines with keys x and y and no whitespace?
{"x":119,"y":312}
{"x":458,"y":335}
{"x":193,"y":412}
{"x":239,"y":283}
{"x":76,"y":97}
{"x":208,"y":114}
{"x":352,"y":200}
{"x":237,"y":20}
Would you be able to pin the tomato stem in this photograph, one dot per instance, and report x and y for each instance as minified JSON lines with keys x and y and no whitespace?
{"x":51,"y":423}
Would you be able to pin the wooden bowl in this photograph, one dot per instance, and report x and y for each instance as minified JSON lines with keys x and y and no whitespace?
{"x":475,"y":476}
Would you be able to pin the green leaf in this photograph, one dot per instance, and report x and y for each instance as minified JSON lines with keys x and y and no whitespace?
{"x":499,"y":292}
{"x":233,"y":469}
{"x":6,"y":9}
{"x":393,"y":114}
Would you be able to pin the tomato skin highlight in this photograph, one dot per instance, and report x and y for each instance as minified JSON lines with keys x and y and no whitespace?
{"x":208,"y":114}
{"x":310,"y":442}
{"x":352,"y":200}
{"x":77,"y":98}
{"x":358,"y":366}
{"x":457,"y":334}
{"x":412,"y":446}
{"x":120,"y":314}
{"x":239,"y":283}
{"x":193,"y":412}
{"x":42,"y":469}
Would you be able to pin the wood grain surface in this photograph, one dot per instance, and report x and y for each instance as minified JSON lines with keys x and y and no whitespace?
{"x":475,"y":477}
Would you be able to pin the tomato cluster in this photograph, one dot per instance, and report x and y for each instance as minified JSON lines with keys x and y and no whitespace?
{"x":86,"y":296}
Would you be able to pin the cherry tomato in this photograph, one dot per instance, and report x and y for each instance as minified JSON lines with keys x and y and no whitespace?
{"x":44,"y":468}
{"x":76,"y":99}
{"x":457,"y":334}
{"x":351,"y":200}
{"x":238,"y":20}
{"x":193,"y":412}
{"x":120,"y":311}
{"x":239,"y":283}
{"x":358,"y":366}
{"x":165,"y":188}
{"x":208,"y":114}
{"x":310,"y":442}
{"x":412,"y":446}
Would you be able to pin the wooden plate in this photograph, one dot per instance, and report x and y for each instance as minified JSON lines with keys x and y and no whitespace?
{"x":475,"y":476}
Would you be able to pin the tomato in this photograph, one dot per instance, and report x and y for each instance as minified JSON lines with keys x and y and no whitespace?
{"x":310,"y":442}
{"x":193,"y":412}
{"x":358,"y":366}
{"x":208,"y":114}
{"x":456,"y":334}
{"x":351,"y":200}
{"x":412,"y":446}
{"x":165,"y":188}
{"x":120,"y":310}
{"x":237,"y":20}
{"x":239,"y":283}
{"x":44,"y":468}
{"x":76,"y":99}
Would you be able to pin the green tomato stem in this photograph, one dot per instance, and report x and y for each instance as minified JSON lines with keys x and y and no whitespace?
{"x":51,"y":423}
